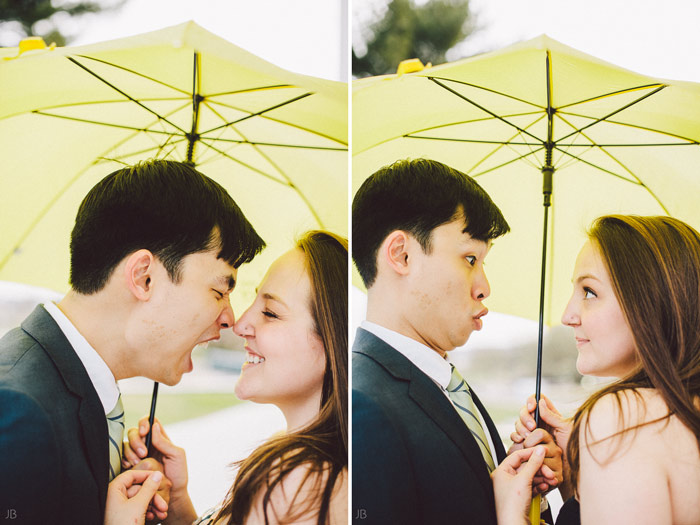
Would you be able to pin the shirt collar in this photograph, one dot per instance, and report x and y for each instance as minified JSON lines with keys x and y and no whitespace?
{"x":423,"y":357}
{"x":99,"y":373}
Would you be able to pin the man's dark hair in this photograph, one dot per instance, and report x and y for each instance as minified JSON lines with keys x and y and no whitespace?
{"x":417,"y":196}
{"x":163,"y":206}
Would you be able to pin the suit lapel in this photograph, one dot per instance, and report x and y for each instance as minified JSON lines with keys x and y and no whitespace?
{"x":428,"y":396}
{"x":42,"y":327}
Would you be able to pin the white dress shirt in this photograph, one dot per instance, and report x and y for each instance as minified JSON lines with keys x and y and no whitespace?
{"x":99,"y":373}
{"x":426,"y":360}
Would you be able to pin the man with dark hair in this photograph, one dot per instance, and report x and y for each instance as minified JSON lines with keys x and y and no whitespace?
{"x":423,"y":445}
{"x":154,"y":256}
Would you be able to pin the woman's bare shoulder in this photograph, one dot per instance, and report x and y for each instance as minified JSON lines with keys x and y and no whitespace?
{"x":339,"y":500}
{"x":296,"y":498}
{"x":631,"y":420}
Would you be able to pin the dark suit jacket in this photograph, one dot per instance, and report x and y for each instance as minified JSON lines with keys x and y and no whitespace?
{"x":54,"y":452}
{"x":413,"y":459}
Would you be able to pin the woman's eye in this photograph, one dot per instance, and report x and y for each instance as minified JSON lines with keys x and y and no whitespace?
{"x":588,"y":293}
{"x":219,"y":295}
{"x":471,"y":259}
{"x":269,"y":314}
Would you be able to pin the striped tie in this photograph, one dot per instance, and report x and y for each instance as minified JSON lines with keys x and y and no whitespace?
{"x":461,"y":397}
{"x":115,"y":426}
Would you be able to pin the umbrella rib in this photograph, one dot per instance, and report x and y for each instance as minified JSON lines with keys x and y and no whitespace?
{"x":39,"y":216}
{"x":521,"y":157}
{"x":620,"y":163}
{"x":298,"y":146}
{"x":496,"y":116}
{"x":116,"y":66}
{"x":110,"y":125}
{"x":506,"y":95}
{"x":639,"y":183}
{"x":155,"y":147}
{"x":636,"y":126}
{"x":70,"y":182}
{"x":259,"y":113}
{"x":508,"y":143}
{"x":234,"y":159}
{"x":90,"y":103}
{"x":279,"y":121}
{"x":611,"y":94}
{"x":251,"y":90}
{"x":606,"y":117}
{"x":639,"y":145}
{"x":475,"y":141}
{"x":604,"y":170}
{"x":484,"y":119}
{"x":289,"y":181}
{"x":106,"y":82}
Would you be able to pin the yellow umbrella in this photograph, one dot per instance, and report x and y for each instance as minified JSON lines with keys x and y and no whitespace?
{"x":69,"y":116}
{"x":614,"y":141}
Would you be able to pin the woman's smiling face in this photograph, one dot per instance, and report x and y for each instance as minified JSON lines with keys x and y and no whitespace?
{"x":604,"y":339}
{"x":286,"y":358}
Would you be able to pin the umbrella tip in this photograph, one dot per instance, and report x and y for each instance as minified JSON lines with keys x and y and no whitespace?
{"x":412,"y":65}
{"x":32,"y":43}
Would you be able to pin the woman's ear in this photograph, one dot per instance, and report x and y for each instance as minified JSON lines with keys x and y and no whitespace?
{"x":138,"y":272}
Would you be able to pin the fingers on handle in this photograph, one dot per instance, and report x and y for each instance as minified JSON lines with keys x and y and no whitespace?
{"x":161,"y":442}
{"x":137,"y":443}
{"x":526,"y":418}
{"x":129,"y":457}
{"x":534,"y":462}
{"x":518,"y":457}
{"x":149,"y":487}
{"x":550,"y":415}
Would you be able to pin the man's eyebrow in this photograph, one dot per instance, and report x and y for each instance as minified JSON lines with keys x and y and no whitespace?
{"x":226,"y":280}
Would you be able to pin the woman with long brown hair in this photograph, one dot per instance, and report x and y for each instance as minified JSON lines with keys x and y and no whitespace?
{"x":633,"y":447}
{"x":296,"y":344}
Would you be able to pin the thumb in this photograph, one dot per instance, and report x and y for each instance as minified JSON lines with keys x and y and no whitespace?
{"x":553,"y":419}
{"x":148,"y":489}
{"x":162,"y":443}
{"x":534,"y":463}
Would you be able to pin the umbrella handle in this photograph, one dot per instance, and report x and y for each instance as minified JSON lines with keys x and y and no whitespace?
{"x":151,"y":417}
{"x":535,"y":510}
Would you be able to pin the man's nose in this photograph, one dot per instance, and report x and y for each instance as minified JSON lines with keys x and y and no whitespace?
{"x":481,"y":289}
{"x":226,"y":317}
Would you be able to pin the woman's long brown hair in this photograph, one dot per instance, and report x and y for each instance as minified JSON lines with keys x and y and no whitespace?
{"x":654,"y":266}
{"x":322,"y":446}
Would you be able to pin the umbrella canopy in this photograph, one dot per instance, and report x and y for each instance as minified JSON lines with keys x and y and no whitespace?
{"x":614,"y":141}
{"x":276,"y":140}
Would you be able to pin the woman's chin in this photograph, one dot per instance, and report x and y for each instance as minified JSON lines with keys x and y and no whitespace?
{"x":240,"y":390}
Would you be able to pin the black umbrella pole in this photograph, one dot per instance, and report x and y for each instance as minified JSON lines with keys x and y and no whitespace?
{"x":547,"y":172}
{"x":151,"y":417}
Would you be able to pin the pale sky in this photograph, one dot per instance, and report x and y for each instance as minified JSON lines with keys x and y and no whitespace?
{"x":659,"y":39}
{"x":304,"y":36}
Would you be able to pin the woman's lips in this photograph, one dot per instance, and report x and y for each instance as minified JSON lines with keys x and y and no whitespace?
{"x":253,"y":358}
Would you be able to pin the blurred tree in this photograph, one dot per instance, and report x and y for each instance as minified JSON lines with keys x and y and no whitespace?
{"x":408,"y":30}
{"x":22,"y":18}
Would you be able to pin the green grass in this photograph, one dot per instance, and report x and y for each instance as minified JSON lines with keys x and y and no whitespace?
{"x":172,"y":408}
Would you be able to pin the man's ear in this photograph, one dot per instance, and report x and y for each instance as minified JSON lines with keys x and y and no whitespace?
{"x":395,"y":251}
{"x":138,"y":273}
